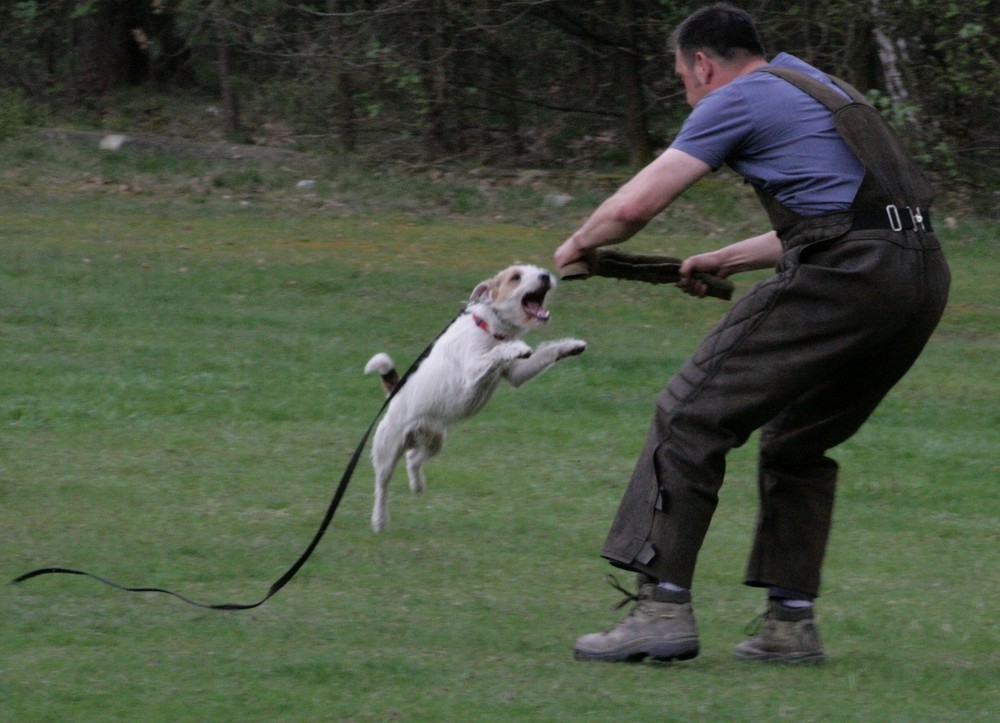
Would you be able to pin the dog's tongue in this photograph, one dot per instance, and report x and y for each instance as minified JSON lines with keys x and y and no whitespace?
{"x":537,"y":310}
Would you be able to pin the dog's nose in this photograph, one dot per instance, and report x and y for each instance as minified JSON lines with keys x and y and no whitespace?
{"x":546,"y":280}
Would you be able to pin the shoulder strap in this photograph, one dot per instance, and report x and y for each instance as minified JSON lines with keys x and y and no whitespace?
{"x":820,"y":91}
{"x":892,"y":176}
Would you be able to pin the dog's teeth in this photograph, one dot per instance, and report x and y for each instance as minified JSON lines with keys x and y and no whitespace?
{"x":537,"y":311}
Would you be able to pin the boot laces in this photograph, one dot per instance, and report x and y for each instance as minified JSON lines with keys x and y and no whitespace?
{"x":754,"y":626}
{"x":629,"y":597}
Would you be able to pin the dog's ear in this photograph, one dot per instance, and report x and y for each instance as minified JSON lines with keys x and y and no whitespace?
{"x":482,"y":293}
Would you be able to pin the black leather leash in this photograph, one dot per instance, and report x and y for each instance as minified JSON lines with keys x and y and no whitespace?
{"x":296,"y":566}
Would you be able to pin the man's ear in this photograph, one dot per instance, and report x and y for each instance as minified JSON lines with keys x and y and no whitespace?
{"x":703,"y":68}
{"x":482,"y":293}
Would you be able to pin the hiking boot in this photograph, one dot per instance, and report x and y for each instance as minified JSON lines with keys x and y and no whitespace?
{"x":784,"y":635}
{"x":660,"y":626}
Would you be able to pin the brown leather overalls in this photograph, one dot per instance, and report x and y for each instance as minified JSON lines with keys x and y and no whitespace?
{"x":806,"y":356}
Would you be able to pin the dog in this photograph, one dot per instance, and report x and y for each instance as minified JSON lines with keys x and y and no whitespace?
{"x":464,"y":367}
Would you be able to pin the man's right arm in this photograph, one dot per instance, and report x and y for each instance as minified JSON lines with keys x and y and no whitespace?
{"x":634,"y":205}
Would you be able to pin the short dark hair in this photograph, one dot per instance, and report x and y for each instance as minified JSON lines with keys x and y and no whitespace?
{"x":722,"y":29}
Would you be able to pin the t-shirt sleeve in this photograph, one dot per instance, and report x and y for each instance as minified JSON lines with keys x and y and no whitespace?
{"x":717,"y":127}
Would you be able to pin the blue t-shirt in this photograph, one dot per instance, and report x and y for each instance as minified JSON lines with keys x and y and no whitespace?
{"x":777,"y":137}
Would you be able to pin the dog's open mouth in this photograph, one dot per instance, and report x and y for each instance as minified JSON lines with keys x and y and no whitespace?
{"x":533,"y":304}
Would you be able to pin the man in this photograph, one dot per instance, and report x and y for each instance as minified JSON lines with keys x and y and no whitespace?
{"x":806,"y":355}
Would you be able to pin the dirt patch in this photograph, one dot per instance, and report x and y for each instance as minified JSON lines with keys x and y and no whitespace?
{"x":145,"y":143}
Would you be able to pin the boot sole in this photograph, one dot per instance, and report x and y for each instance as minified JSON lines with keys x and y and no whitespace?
{"x":662,"y":652}
{"x":815,"y":657}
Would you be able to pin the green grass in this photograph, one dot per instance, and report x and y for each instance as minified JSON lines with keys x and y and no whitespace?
{"x":182,"y":388}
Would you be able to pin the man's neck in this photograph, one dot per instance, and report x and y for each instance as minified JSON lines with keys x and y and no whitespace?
{"x":749,"y":66}
{"x":752,"y":65}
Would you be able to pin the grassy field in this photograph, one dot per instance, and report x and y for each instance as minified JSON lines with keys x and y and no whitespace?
{"x":182,"y":348}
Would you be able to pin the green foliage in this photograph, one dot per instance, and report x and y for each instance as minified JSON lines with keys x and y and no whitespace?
{"x":16,"y":113}
{"x":953,"y":71}
{"x":25,"y":10}
{"x":182,"y":388}
{"x":503,"y":83}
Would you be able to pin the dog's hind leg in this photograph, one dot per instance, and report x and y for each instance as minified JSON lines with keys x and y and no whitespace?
{"x":385,"y":455}
{"x":380,"y":511}
{"x":427,"y":444}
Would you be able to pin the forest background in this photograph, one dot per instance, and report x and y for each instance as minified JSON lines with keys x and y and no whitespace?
{"x":499,"y":83}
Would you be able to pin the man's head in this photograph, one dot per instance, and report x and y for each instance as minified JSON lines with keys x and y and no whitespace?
{"x":714,"y":45}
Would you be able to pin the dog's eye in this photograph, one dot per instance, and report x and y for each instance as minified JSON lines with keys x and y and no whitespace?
{"x":515,"y":277}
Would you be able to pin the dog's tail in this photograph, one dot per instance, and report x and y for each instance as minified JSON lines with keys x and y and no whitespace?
{"x":386,"y":368}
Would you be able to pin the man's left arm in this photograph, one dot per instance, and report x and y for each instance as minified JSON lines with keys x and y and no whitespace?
{"x":757,"y":252}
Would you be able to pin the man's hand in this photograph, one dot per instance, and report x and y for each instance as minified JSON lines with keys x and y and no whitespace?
{"x":757,"y":252}
{"x":570,"y":253}
{"x":709,"y":263}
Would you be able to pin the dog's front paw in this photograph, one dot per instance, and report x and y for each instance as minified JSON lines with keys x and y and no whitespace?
{"x":571,"y":347}
{"x":517,"y":350}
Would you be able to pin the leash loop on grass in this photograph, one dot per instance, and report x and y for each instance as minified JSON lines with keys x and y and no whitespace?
{"x":297,"y":565}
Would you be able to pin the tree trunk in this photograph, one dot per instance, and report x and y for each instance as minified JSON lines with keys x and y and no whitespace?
{"x":507,"y":82}
{"x":106,"y":53}
{"x":627,"y":69}
{"x":230,"y":101}
{"x":434,"y":58}
{"x":347,"y":116}
{"x":892,"y":56}
{"x":345,"y":107}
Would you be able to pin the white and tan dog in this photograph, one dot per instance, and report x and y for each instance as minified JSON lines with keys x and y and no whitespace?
{"x":461,"y":372}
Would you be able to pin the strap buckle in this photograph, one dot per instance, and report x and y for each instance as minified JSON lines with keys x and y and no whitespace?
{"x":917,"y":217}
{"x":895,"y":220}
